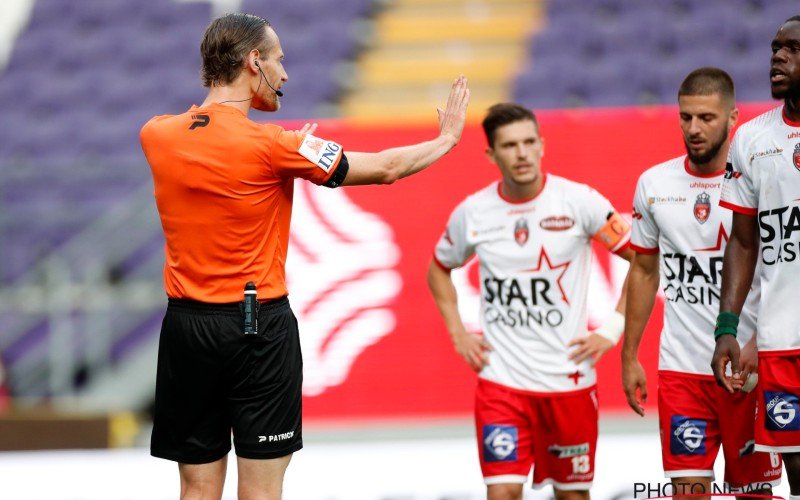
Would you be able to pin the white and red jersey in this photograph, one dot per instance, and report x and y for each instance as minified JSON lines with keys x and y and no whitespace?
{"x":763,"y":180}
{"x":535,"y":258}
{"x":676,"y":214}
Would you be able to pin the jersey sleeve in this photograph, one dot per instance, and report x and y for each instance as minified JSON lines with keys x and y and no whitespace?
{"x":303,"y":155}
{"x":644,"y":235}
{"x":453,"y":248}
{"x":738,"y":193}
{"x":602,"y":222}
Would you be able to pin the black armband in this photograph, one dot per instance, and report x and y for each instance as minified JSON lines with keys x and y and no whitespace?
{"x":339,"y":174}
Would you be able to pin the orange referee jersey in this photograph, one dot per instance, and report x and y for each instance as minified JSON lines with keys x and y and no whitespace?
{"x":223,"y":188}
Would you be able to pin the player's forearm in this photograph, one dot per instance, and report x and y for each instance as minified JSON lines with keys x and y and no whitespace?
{"x":389,"y":165}
{"x":739,"y":264}
{"x":641,"y":295}
{"x":446,"y":298}
{"x":628,"y":255}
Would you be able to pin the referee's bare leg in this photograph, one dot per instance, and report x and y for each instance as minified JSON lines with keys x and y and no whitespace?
{"x":258,"y":479}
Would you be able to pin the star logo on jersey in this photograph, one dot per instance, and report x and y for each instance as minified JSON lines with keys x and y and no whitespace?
{"x":722,"y":237}
{"x":796,"y":156}
{"x":702,"y":207}
{"x":545,"y":259}
{"x":521,"y":231}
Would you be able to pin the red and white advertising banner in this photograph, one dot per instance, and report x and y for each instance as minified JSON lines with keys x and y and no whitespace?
{"x":373,"y":342}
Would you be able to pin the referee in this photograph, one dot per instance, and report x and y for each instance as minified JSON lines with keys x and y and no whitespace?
{"x":223,"y":188}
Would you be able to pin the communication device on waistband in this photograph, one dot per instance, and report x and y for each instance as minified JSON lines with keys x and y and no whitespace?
{"x":250,"y":309}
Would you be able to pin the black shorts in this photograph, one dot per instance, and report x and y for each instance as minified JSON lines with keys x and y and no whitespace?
{"x":212,"y":379}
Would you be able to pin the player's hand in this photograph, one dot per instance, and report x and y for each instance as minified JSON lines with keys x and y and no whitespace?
{"x":592,"y":346}
{"x":453,"y":116}
{"x":748,"y":363}
{"x":308,"y":128}
{"x":633,"y":379}
{"x":726,"y":351}
{"x":473,"y":348}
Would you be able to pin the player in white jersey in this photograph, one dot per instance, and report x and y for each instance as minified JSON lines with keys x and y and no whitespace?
{"x":762,"y":187}
{"x":679,"y":236}
{"x":536,"y":401}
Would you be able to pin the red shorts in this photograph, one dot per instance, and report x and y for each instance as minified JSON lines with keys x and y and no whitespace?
{"x":556,"y":432}
{"x":696,"y":416}
{"x":778,"y":415}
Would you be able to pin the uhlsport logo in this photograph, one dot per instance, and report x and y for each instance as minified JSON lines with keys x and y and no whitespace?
{"x":782,"y":411}
{"x":521,"y":231}
{"x":500,"y":443}
{"x":796,"y":156}
{"x":687,"y":436}
{"x":702,"y":207}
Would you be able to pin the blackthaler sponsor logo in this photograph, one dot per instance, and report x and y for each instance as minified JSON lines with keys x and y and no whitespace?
{"x":666,"y":200}
{"x":766,"y":153}
{"x":557,"y":223}
{"x":748,"y":448}
{"x":687,"y":436}
{"x":569,"y":451}
{"x":782,"y":409}
{"x":691,"y":279}
{"x":276,"y":437}
{"x":779,"y":229}
{"x":487,"y":230}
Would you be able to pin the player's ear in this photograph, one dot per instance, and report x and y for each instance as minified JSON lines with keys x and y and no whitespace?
{"x":252,"y":60}
{"x":733,"y":118}
{"x":490,"y":154}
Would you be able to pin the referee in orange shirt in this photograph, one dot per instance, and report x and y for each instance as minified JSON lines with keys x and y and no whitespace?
{"x":223,"y":187}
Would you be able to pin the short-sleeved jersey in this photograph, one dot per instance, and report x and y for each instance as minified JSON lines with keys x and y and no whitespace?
{"x":223,"y":188}
{"x":763,"y":180}
{"x":535,"y":259}
{"x":676,"y":214}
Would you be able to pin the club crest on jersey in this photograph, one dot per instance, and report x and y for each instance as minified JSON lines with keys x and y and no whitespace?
{"x":796,"y":156}
{"x":521,"y":231}
{"x":702,"y":207}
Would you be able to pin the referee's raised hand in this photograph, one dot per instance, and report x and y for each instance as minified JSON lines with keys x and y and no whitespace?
{"x":452,"y":118}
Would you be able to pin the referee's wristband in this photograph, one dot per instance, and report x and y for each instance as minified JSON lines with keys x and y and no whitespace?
{"x":727,"y":322}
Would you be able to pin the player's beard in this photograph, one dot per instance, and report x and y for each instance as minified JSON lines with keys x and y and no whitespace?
{"x":707,"y":156}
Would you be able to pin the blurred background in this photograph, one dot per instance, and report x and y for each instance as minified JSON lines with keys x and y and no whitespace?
{"x":388,"y":403}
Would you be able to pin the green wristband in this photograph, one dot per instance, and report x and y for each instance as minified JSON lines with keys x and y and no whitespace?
{"x":727,"y":322}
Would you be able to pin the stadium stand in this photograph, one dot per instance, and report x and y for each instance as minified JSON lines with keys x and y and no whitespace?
{"x":628,"y":52}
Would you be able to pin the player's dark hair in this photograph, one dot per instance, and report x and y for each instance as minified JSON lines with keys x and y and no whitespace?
{"x":226,"y":43}
{"x":503,"y":114}
{"x":709,"y":81}
{"x":793,"y":18}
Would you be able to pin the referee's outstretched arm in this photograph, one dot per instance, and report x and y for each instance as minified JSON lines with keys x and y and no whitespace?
{"x":389,"y":165}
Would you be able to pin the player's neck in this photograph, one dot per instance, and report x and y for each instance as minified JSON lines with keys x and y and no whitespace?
{"x":236,"y":96}
{"x":791,"y":108}
{"x":713,"y":166}
{"x":522,"y":192}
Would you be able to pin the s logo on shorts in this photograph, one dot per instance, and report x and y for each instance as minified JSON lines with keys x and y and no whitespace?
{"x":782,"y":411}
{"x":687,"y":436}
{"x":499,"y":443}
